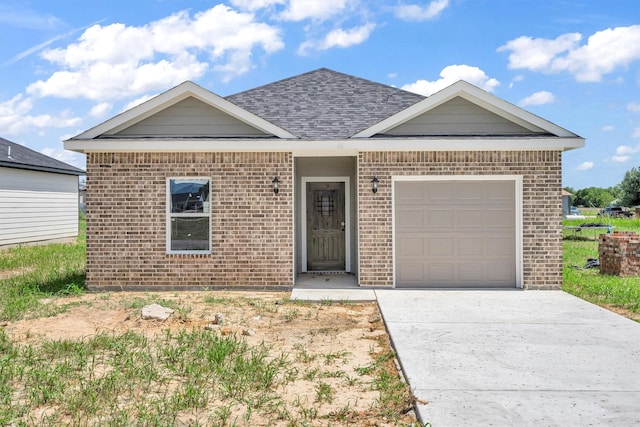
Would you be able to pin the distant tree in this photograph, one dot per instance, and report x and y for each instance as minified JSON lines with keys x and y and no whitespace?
{"x":593,"y":196}
{"x":615,"y":191}
{"x":630,"y":188}
{"x":569,"y":189}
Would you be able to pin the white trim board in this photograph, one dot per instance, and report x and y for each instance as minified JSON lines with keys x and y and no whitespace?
{"x":518,"y":179}
{"x":348,"y":147}
{"x":347,"y":214}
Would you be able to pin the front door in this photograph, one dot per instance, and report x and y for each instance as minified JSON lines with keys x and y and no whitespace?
{"x":325,"y":226}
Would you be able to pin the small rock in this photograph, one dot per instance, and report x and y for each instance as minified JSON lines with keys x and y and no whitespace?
{"x":3,"y":324}
{"x":211,"y":327}
{"x":248,"y":332}
{"x":257,"y":318}
{"x":226,"y":331}
{"x":218,"y":319}
{"x":156,"y":312}
{"x":374,"y":318}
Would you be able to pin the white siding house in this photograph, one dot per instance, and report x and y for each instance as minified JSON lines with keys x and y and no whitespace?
{"x":38,"y":196}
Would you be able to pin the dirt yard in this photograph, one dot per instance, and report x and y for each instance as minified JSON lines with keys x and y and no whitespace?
{"x":328,"y":347}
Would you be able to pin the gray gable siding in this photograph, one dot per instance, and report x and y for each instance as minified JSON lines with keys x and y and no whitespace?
{"x":324,"y":104}
{"x":459,"y":117}
{"x":191,"y":117}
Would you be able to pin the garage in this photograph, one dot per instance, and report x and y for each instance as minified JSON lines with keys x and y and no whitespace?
{"x":455,"y":234}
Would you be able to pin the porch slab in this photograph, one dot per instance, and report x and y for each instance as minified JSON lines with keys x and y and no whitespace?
{"x":353,"y":295}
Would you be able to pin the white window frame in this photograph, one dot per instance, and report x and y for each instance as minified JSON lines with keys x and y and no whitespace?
{"x":169,"y":215}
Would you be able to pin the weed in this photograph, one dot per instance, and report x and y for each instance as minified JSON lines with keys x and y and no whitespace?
{"x":324,"y":392}
{"x":329,"y":358}
{"x":291,"y":315}
{"x":303,"y":355}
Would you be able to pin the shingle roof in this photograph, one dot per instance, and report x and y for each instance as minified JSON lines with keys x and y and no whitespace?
{"x":18,"y":156}
{"x":324,"y":104}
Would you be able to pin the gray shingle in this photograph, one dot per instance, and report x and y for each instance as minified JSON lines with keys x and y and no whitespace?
{"x":25,"y":158}
{"x":324,"y":104}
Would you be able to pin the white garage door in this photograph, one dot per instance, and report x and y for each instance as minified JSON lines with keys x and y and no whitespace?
{"x":455,"y":234}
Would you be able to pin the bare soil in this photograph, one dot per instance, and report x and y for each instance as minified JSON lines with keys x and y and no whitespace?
{"x":324,"y":336}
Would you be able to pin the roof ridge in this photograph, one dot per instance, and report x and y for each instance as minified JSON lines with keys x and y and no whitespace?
{"x":297,"y":76}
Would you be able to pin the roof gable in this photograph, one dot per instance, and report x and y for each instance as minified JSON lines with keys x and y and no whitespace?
{"x":459,"y":116}
{"x":325,"y":104}
{"x":132,"y":122}
{"x":192,"y":118}
{"x":475,"y":111}
{"x":17,"y":156}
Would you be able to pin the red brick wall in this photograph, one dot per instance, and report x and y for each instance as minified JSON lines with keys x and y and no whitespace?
{"x":619,"y":254}
{"x":252,"y":237}
{"x":542,"y":206}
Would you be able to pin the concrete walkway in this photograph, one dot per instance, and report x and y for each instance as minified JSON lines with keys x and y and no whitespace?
{"x":509,"y":358}
{"x":512,"y":358}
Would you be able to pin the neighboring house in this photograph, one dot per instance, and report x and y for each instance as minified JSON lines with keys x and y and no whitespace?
{"x":82,"y":197}
{"x":324,"y":172}
{"x":566,"y":203}
{"x":38,"y":196}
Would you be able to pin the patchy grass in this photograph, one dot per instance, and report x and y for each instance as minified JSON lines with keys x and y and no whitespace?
{"x":31,"y":273}
{"x":184,"y":372}
{"x":620,"y":294}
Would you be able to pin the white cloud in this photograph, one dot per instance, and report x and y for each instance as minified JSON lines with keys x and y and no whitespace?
{"x":451,"y":74}
{"x":16,"y":117}
{"x":320,"y":10}
{"x":604,"y":52}
{"x":608,"y":128}
{"x":338,"y":38}
{"x":625,"y":150}
{"x":63,"y":155}
{"x":634,"y":107}
{"x":636,"y":133}
{"x":414,"y":12}
{"x":537,"y":54}
{"x":346,"y":38}
{"x":624,"y":153}
{"x":99,"y":110}
{"x":585,"y":166}
{"x":118,"y":61}
{"x":538,"y":98}
{"x":620,"y":159}
{"x":253,"y":5}
{"x":517,"y":78}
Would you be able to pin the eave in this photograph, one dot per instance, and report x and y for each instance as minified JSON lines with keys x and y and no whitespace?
{"x":344,"y":146}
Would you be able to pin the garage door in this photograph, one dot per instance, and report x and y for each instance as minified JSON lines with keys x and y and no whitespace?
{"x":455,"y":234}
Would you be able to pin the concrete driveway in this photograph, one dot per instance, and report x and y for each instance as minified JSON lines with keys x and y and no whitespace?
{"x":513,"y":358}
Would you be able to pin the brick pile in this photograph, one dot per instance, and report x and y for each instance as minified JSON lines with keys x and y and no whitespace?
{"x":619,"y":254}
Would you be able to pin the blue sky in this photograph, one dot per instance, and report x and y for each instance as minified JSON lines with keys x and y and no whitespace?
{"x":68,"y":65}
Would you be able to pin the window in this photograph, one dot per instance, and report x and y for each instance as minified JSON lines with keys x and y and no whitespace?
{"x":188,"y":215}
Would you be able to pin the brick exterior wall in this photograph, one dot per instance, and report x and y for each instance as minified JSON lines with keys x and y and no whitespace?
{"x":252,"y":230}
{"x":542,"y":206}
{"x":619,"y":254}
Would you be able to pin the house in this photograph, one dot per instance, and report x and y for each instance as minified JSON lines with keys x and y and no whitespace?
{"x":324,"y":172}
{"x":566,"y":203}
{"x":38,"y":197}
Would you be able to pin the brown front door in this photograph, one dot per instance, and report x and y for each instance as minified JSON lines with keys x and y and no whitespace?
{"x":325,"y":226}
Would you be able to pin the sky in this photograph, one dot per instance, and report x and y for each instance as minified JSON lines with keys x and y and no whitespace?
{"x":68,"y":65}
